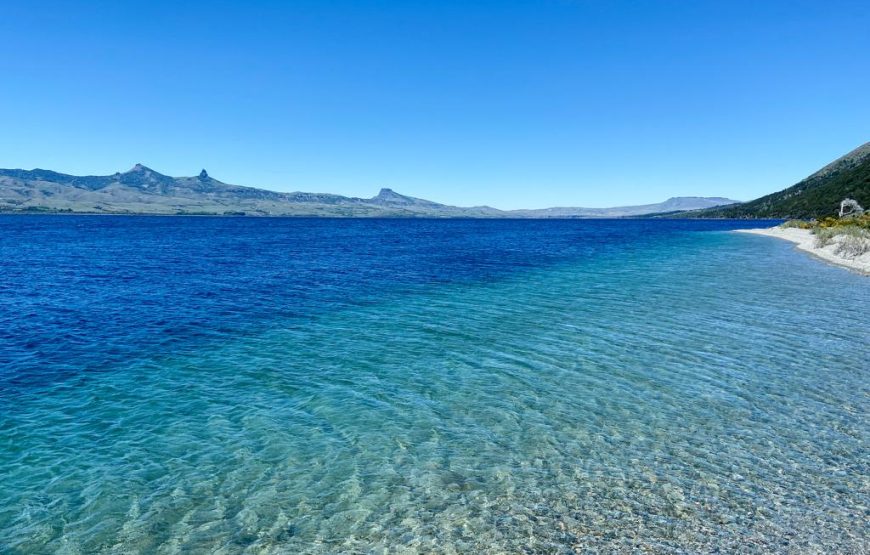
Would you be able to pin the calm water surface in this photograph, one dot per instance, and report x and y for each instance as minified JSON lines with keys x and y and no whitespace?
{"x":206,"y":385}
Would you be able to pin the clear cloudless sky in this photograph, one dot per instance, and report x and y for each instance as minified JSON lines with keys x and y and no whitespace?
{"x":506,"y":103}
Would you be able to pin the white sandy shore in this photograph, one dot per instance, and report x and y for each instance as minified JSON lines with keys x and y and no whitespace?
{"x":806,"y":241}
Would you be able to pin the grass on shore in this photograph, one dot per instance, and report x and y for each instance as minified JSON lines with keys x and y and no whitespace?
{"x":850,"y":234}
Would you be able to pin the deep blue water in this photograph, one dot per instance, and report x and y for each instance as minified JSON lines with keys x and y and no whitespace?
{"x":314,"y":385}
{"x":134,"y":286}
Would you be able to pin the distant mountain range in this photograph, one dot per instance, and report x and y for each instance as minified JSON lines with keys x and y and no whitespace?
{"x":145,"y":191}
{"x":817,"y":196}
{"x":673,"y":204}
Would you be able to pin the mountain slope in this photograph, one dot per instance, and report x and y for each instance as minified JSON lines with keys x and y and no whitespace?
{"x":142,"y":190}
{"x":817,"y":196}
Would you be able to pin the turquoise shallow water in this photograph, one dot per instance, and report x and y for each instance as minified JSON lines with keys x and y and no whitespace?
{"x":700,"y":392}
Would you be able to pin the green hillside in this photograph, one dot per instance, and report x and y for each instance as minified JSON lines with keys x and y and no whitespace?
{"x":817,"y":196}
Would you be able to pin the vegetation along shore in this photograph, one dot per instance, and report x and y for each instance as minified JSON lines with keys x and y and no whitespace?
{"x":843,"y":241}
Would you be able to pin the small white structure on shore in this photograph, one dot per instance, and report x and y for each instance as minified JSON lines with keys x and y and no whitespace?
{"x":850,"y":207}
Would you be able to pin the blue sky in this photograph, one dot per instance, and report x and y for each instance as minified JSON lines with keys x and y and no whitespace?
{"x":511,"y":104}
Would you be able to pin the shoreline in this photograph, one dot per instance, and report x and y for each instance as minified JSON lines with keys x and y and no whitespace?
{"x":806,"y":241}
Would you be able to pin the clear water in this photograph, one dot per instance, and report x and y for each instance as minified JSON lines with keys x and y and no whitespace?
{"x":199,"y":385}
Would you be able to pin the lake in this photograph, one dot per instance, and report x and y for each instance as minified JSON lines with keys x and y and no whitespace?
{"x":245,"y":385}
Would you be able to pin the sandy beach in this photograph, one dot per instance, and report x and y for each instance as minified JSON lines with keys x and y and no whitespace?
{"x":806,"y":241}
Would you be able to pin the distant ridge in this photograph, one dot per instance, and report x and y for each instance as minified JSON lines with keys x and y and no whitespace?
{"x":816,"y":196}
{"x":673,"y":204}
{"x":142,"y":190}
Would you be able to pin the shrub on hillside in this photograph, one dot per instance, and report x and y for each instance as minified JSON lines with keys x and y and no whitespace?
{"x":851,"y":246}
{"x":852,"y":240}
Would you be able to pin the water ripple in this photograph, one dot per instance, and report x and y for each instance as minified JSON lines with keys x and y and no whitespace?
{"x":691,"y":401}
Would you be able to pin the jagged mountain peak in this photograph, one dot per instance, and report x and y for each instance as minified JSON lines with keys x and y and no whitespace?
{"x":389,"y":194}
{"x":389,"y":197}
{"x":142,"y":171}
{"x":143,"y":176}
{"x":140,"y":168}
